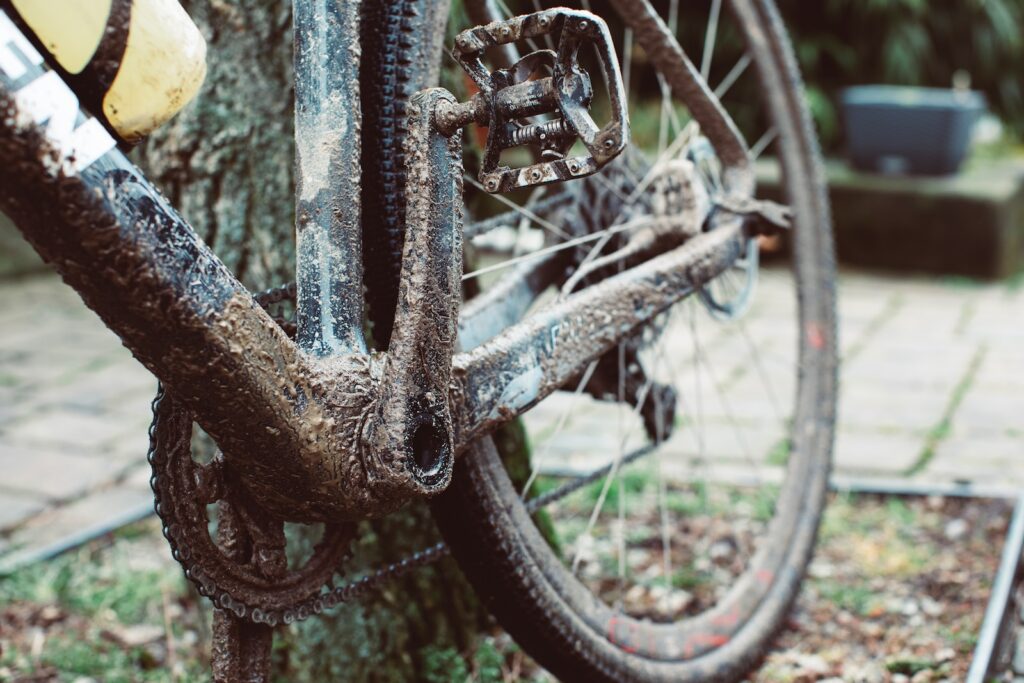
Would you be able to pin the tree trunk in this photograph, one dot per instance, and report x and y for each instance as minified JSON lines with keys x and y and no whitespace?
{"x":227,"y":163}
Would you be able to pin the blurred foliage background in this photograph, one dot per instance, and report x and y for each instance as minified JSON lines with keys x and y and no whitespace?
{"x":840,"y":43}
{"x":909,"y":42}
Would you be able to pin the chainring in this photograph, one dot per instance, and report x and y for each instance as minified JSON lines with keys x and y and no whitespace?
{"x":244,"y":571}
{"x":262,"y":588}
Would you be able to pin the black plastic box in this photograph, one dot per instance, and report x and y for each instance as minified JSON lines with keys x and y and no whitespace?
{"x":906,"y":130}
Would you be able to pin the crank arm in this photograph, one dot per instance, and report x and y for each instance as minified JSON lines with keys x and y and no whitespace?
{"x":410,"y":429}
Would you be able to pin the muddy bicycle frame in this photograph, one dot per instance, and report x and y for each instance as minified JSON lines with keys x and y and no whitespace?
{"x":320,"y":428}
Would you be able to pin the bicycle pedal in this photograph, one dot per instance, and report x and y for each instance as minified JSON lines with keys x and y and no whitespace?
{"x":509,"y":98}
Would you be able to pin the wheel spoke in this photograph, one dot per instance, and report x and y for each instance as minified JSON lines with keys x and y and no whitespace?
{"x":526,"y":220}
{"x":730,"y":416}
{"x":610,"y":477}
{"x":762,"y":143}
{"x":507,"y":218}
{"x":710,"y":38}
{"x":621,"y":530}
{"x":561,"y":246}
{"x":666,"y":529}
{"x":673,"y":16}
{"x":755,"y":354}
{"x":563,"y":418}
{"x":734,"y":75}
{"x":518,"y":208}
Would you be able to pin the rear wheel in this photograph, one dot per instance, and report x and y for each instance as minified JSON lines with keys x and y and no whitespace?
{"x":677,"y":484}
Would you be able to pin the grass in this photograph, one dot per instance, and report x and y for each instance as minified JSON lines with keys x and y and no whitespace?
{"x":779,"y":453}
{"x":689,"y":578}
{"x":879,"y":540}
{"x":92,"y":588}
{"x":857,"y":598}
{"x":867,"y":539}
{"x":940,"y":431}
{"x":967,"y":314}
{"x":888,"y":312}
{"x":90,"y":594}
{"x":961,"y":282}
{"x":1015,"y":282}
{"x":694,"y":501}
{"x":630,"y":482}
{"x":98,"y":659}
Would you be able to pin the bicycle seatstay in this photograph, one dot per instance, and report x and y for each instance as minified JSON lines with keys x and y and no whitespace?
{"x":293,"y":426}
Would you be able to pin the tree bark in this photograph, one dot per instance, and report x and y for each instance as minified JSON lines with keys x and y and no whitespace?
{"x":227,"y":163}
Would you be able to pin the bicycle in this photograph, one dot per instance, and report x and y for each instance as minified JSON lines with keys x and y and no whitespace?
{"x":326,"y":429}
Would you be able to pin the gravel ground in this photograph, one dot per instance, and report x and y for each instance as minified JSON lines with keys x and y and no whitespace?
{"x":896,"y":593}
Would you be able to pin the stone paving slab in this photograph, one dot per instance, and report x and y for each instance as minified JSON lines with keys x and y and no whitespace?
{"x":877,"y":452}
{"x":882,"y":407}
{"x":15,"y":507}
{"x":78,"y":431}
{"x":74,"y":407}
{"x":992,"y":412}
{"x":62,"y":527}
{"x":1001,"y":370}
{"x":51,"y":473}
{"x":965,"y":457}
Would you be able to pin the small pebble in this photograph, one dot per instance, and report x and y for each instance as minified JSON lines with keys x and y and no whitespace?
{"x":813,"y":664}
{"x":956,"y":529}
{"x":867,"y":673}
{"x":722,"y":551}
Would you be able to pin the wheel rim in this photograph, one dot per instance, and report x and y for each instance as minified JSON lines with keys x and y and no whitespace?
{"x":809,"y":438}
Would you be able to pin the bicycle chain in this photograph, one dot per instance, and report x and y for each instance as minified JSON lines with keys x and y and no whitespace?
{"x":335,"y":595}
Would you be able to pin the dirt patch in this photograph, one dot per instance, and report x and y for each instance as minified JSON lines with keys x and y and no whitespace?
{"x":896,"y":593}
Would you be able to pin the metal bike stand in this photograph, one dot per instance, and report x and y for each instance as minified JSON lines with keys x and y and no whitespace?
{"x":999,"y":613}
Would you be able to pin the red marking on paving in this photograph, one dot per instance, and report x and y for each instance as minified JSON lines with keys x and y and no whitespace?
{"x":765,"y":576}
{"x":815,"y":336}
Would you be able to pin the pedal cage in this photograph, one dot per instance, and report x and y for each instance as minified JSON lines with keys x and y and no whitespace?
{"x":507,"y":96}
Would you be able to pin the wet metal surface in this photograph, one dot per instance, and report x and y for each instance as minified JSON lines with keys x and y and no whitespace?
{"x":327,"y":215}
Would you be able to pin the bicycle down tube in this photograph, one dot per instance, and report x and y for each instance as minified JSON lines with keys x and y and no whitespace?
{"x":299,"y":427}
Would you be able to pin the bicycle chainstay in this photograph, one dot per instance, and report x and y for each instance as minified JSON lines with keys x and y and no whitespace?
{"x":191,"y":552}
